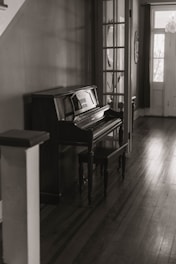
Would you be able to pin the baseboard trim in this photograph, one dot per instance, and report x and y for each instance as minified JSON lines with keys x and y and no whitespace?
{"x":0,"y":211}
{"x":138,"y":112}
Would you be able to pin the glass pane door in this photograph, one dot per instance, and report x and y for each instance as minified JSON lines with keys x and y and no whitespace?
{"x":115,"y":56}
{"x":113,"y":51}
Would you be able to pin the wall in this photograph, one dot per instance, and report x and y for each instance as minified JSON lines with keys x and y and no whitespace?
{"x":47,"y":44}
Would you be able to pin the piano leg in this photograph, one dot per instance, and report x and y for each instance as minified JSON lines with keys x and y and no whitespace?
{"x":123,"y":164}
{"x":90,"y":173}
{"x":105,"y":178}
{"x":120,"y":135}
{"x":80,"y":176}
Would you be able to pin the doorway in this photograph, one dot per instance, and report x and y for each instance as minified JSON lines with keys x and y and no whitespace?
{"x":114,"y":66}
{"x":163,"y":61}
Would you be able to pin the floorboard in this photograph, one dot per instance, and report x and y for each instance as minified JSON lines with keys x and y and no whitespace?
{"x":135,"y":223}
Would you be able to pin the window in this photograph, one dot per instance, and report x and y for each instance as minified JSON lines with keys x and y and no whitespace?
{"x":160,"y":18}
{"x":158,"y":58}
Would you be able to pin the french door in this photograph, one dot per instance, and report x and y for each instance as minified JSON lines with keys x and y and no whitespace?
{"x":163,"y":61}
{"x":114,"y":50}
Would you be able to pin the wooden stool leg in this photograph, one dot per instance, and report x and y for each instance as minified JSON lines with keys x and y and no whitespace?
{"x":80,"y":176}
{"x":90,"y":173}
{"x":120,"y":161}
{"x":101,"y":169}
{"x":123,"y":165}
{"x":121,"y":135}
{"x":105,"y":179}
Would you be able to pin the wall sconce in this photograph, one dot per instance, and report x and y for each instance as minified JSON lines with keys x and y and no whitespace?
{"x":2,"y":4}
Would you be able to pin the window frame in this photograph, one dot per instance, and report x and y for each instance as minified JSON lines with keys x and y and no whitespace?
{"x":155,"y":31}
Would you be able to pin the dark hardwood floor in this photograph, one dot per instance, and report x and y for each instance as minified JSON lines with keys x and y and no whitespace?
{"x":136,"y":223}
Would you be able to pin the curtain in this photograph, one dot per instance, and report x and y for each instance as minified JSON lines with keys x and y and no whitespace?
{"x":145,"y":67}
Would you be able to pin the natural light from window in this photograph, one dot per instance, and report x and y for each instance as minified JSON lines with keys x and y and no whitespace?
{"x":163,"y":17}
{"x":160,"y":20}
{"x":158,"y":58}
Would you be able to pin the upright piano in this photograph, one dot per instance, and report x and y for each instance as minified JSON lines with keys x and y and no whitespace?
{"x":72,"y":116}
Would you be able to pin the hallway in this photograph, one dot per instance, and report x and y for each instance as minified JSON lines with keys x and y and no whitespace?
{"x":137,"y":221}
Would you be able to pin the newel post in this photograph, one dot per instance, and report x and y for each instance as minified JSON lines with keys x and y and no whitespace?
{"x":20,"y":195}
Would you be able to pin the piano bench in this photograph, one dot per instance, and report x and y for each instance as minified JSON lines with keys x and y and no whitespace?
{"x":106,"y":158}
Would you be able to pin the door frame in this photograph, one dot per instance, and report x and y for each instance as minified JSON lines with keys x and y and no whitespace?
{"x":158,"y":89}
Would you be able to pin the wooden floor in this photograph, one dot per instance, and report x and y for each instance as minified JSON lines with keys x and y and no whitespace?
{"x":136,"y":224}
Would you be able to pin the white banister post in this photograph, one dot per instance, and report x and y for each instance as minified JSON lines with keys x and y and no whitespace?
{"x":20,"y":195}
